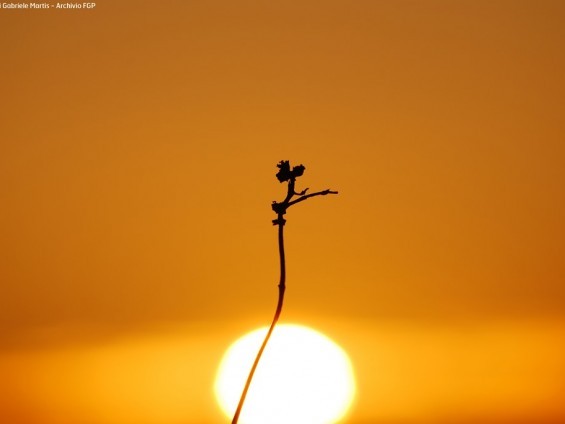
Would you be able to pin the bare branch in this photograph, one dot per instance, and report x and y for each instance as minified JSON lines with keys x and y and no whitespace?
{"x":307,"y":196}
{"x":285,"y":174}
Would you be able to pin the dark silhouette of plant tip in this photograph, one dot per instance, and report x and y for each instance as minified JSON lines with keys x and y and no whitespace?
{"x":285,"y":174}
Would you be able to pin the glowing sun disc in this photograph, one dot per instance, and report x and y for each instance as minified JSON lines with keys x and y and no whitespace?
{"x":303,"y":378}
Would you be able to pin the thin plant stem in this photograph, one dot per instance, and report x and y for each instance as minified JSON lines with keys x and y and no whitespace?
{"x":282,"y":287}
{"x":280,"y":208}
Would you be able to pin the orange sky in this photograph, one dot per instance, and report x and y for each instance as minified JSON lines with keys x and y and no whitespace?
{"x":138,"y":144}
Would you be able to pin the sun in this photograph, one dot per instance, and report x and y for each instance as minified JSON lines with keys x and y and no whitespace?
{"x":303,"y":378}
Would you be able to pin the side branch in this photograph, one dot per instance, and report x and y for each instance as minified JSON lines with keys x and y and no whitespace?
{"x":307,"y":196}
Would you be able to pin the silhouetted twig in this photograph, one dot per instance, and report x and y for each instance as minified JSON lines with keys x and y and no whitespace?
{"x":285,"y":174}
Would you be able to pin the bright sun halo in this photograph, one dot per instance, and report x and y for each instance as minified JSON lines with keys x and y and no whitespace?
{"x":303,"y":378}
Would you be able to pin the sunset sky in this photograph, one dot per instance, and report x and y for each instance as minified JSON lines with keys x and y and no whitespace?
{"x":138,"y":151}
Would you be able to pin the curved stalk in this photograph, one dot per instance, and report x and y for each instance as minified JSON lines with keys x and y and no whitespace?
{"x":285,"y":174}
{"x":278,"y":311}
